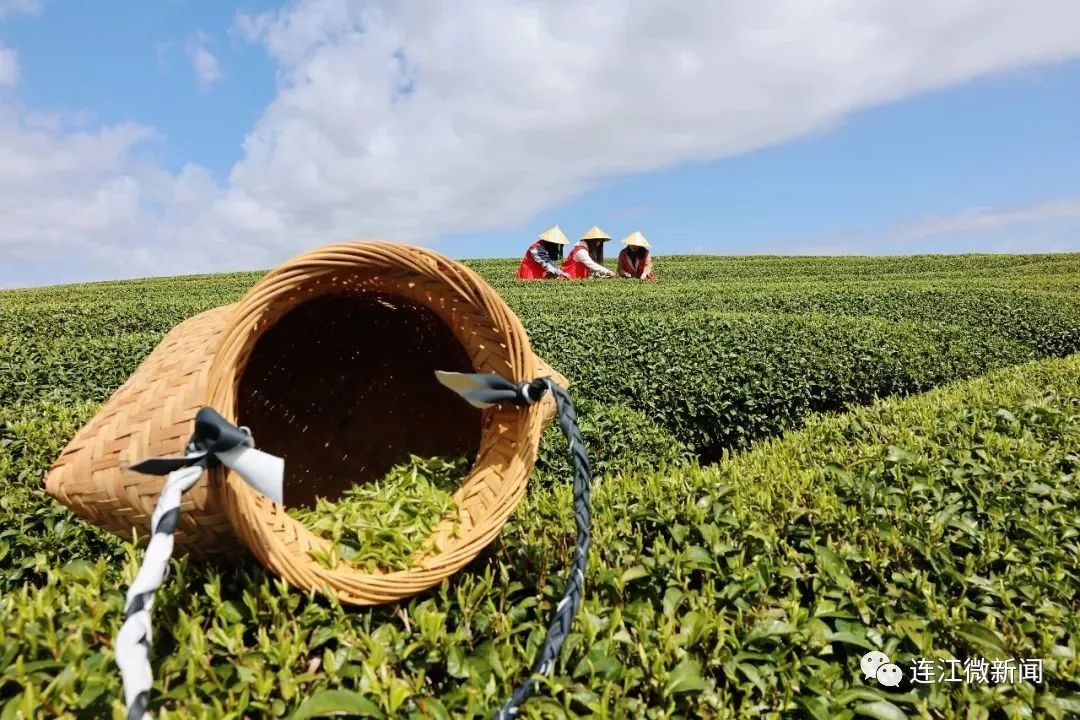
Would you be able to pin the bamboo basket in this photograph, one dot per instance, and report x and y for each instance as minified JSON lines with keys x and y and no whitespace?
{"x":329,"y":360}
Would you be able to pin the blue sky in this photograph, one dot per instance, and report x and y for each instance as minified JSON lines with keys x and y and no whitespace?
{"x":1007,"y":141}
{"x":130,"y":61}
{"x":150,"y":106}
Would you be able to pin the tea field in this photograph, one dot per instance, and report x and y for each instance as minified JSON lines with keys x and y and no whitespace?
{"x":797,"y":460}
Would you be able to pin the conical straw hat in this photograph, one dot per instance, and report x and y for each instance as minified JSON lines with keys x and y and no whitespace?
{"x":596,"y":234}
{"x":636,"y":239}
{"x":554,"y":235}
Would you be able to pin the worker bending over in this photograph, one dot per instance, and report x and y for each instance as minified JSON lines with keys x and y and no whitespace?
{"x":540,"y":261}
{"x":586,"y":258}
{"x":635,"y":260}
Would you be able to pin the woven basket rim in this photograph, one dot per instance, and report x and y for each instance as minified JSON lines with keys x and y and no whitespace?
{"x":280,"y":541}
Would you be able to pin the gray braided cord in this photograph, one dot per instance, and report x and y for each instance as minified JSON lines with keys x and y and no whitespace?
{"x":567,"y":608}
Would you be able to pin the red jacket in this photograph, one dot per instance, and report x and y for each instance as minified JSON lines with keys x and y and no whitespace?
{"x":640,"y":269}
{"x":529,"y":269}
{"x":576,"y":270}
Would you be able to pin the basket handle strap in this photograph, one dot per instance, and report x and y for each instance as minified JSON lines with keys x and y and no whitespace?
{"x":484,"y":391}
{"x":214,"y":442}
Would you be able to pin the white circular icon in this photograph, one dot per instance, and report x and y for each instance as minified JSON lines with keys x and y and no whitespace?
{"x":871,"y":662}
{"x":890,"y":675}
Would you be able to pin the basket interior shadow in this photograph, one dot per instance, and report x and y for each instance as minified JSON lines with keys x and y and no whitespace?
{"x":343,"y":387}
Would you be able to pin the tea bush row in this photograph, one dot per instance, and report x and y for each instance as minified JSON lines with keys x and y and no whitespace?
{"x":157,"y":303}
{"x":716,"y":380}
{"x":712,"y":380}
{"x":945,"y":525}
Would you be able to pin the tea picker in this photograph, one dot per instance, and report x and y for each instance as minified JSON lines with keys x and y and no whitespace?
{"x":223,"y":368}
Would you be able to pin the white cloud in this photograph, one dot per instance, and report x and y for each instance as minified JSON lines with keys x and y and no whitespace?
{"x":9,"y":67}
{"x":65,"y":190}
{"x":19,"y":7}
{"x":410,"y":121}
{"x":205,"y":63}
{"x":985,"y":220}
{"x":1045,"y":226}
{"x":517,"y":106}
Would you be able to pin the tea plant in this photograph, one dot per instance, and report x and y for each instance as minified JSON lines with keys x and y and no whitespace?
{"x":943,"y":525}
{"x":882,"y":462}
{"x":383,"y":525}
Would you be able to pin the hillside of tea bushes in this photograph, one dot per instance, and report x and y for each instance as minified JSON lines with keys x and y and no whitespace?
{"x":797,"y":460}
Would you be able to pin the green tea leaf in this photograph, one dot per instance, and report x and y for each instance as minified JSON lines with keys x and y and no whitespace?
{"x":834,"y":566}
{"x":685,"y":678}
{"x":336,"y":703}
{"x":984,"y":639}
{"x":881,"y":710}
